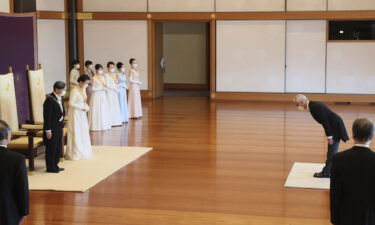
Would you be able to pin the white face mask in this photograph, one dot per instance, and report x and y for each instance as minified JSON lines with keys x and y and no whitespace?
{"x":91,"y":67}
{"x":63,"y":93}
{"x":100,"y":72}
{"x":112,"y":70}
{"x":135,"y":65}
{"x":300,"y":108}
{"x":85,"y":86}
{"x":122,"y":70}
{"x":77,"y":66}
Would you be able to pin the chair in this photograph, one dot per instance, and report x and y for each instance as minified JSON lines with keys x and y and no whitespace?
{"x":23,"y":137}
{"x":37,"y":97}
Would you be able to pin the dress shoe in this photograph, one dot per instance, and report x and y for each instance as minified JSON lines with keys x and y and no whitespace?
{"x":61,"y":169}
{"x":52,"y":171}
{"x":321,"y":175}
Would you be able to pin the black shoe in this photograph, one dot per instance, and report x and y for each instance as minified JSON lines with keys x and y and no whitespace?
{"x":52,"y":171}
{"x":61,"y":169}
{"x":321,"y":175}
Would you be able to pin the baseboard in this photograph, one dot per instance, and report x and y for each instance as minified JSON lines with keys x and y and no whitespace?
{"x":178,"y":86}
{"x":288,"y":97}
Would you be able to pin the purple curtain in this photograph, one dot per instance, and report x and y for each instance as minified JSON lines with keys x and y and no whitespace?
{"x":18,"y":48}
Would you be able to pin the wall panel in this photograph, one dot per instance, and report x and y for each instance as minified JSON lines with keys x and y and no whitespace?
{"x":181,"y":5}
{"x":50,"y":5}
{"x":115,"y":5}
{"x":115,"y":40}
{"x":350,"y":67}
{"x":4,"y":6}
{"x":251,"y":56}
{"x":334,"y":5}
{"x":307,"y":5}
{"x":306,"y":56}
{"x":52,"y":51}
{"x":249,"y":5}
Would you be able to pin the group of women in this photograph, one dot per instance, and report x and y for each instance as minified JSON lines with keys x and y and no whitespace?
{"x":103,"y":96}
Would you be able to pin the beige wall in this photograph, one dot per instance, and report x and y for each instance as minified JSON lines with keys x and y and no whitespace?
{"x":52,"y":51}
{"x":307,"y":5}
{"x":50,"y":5}
{"x":4,"y":6}
{"x":115,"y":5}
{"x":185,"y":52}
{"x":249,"y":5}
{"x":351,"y":5}
{"x":181,"y":5}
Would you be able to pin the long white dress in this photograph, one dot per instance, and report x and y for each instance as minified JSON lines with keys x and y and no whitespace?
{"x":99,"y":114}
{"x":134,"y":99}
{"x":113,"y":101}
{"x":79,"y":144}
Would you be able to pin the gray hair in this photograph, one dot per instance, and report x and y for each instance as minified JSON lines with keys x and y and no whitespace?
{"x":4,"y":130}
{"x":363,"y":130}
{"x":300,"y":98}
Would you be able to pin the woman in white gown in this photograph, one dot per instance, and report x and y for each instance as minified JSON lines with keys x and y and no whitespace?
{"x":99,"y":115}
{"x":112,"y":95}
{"x":79,"y":144}
{"x":134,"y":101}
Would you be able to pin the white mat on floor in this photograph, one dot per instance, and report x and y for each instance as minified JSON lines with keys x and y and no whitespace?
{"x":81,"y":175}
{"x":301,"y":176}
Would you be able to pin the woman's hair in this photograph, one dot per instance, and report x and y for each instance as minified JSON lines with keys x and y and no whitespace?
{"x":131,"y":61}
{"x":83,"y":78}
{"x":98,"y":66}
{"x":88,"y":63}
{"x":119,"y":65}
{"x":110,"y":63}
{"x":75,"y":62}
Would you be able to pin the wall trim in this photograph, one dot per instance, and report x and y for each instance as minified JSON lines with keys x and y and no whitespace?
{"x":54,"y":15}
{"x":288,"y":97}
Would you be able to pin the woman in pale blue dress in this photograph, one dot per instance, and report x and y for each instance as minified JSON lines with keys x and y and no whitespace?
{"x":121,"y":77}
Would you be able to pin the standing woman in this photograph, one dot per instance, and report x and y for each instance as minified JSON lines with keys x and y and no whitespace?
{"x":89,"y":70}
{"x":121,"y":77}
{"x":79,"y":144}
{"x":99,"y":114}
{"x":112,"y":95}
{"x":135,"y":104}
{"x":74,"y":74}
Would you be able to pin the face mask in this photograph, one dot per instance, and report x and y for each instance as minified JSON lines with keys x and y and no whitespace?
{"x":91,"y":67}
{"x":77,"y":67}
{"x":112,"y":70}
{"x":85,"y":86}
{"x":300,"y":108}
{"x":63,"y":93}
{"x":122,"y":70}
{"x":135,"y":66}
{"x":100,"y":72}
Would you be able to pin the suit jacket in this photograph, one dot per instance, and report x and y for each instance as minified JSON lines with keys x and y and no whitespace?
{"x":52,"y":114}
{"x":14,"y":187}
{"x":331,"y":122}
{"x":352,"y":191}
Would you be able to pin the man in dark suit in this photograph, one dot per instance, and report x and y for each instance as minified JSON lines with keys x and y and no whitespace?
{"x":333,"y":126}
{"x":14,"y":187}
{"x":53,"y":115}
{"x":352,"y":191}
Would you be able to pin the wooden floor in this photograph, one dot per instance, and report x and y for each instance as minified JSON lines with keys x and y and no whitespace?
{"x":212,"y":163}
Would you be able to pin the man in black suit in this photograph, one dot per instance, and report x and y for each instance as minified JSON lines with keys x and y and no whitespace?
{"x":333,"y":126}
{"x":352,"y":191}
{"x":14,"y":187}
{"x":53,"y":115}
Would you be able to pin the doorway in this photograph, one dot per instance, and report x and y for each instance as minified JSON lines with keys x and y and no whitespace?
{"x":182,"y":55}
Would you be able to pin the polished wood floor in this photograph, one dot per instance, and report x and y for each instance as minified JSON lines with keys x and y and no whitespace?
{"x":212,"y":163}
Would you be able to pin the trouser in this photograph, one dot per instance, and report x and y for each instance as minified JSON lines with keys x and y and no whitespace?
{"x":332,"y":149}
{"x":53,"y":150}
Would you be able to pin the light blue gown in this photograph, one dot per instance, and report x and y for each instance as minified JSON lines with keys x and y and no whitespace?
{"x":123,"y":98}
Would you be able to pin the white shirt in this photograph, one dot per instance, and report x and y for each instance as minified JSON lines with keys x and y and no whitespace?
{"x":3,"y":146}
{"x":363,"y":145}
{"x":59,"y":100}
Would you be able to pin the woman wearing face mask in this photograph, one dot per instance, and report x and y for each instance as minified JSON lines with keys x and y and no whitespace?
{"x":79,"y":144}
{"x":135,"y":104}
{"x":99,"y":115}
{"x":74,"y":74}
{"x":112,"y":95}
{"x":121,"y":77}
{"x":89,"y":70}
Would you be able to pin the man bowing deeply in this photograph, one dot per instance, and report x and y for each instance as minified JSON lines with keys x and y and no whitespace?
{"x":333,"y":126}
{"x":53,"y":115}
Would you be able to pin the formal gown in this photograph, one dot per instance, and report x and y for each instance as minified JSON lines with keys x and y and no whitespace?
{"x":135,"y":103}
{"x":113,"y":101}
{"x":74,"y":75}
{"x":90,"y":73}
{"x":79,"y":144}
{"x":99,"y":114}
{"x":123,"y":97}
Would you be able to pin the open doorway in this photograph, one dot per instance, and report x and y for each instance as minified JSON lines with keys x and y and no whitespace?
{"x":182,"y":53}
